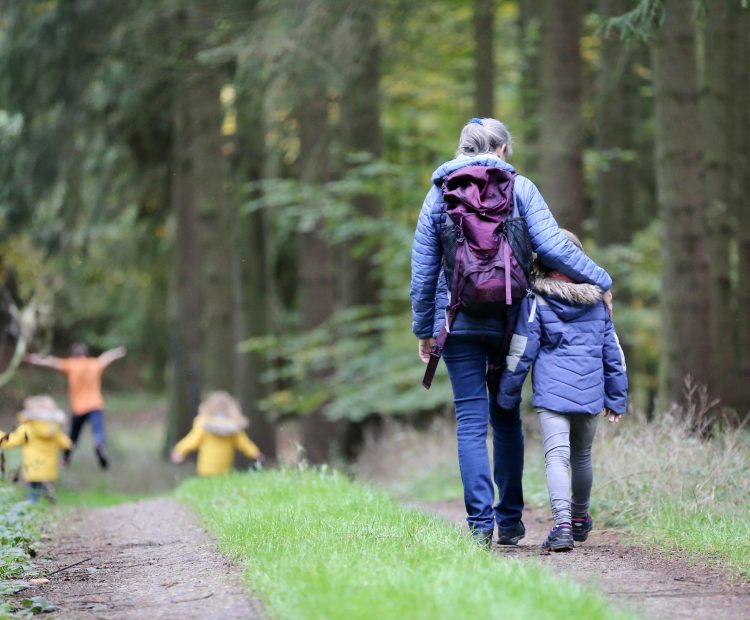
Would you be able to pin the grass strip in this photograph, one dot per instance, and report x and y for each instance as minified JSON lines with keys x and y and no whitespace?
{"x":317,"y":545}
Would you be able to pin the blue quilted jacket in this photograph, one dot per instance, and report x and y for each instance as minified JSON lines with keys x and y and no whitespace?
{"x":429,"y":294}
{"x":565,"y":333}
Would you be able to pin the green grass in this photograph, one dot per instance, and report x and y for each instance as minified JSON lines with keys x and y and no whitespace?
{"x":663,"y":486}
{"x":316,"y":545}
{"x":97,"y":497}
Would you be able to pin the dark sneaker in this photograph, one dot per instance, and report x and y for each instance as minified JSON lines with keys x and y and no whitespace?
{"x":483,"y":538}
{"x":510,"y":535}
{"x":581,"y":527}
{"x":102,"y":456}
{"x":560,"y":538}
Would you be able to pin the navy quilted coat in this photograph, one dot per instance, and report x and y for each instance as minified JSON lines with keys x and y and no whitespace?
{"x":565,"y":333}
{"x":429,"y":295}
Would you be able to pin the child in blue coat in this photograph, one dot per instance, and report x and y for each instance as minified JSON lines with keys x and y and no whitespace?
{"x":565,"y":332}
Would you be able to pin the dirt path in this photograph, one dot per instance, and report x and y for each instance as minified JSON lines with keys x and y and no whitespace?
{"x":145,"y":559}
{"x":656,"y":585}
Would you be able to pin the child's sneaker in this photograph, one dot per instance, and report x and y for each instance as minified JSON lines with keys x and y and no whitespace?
{"x":581,"y":527}
{"x":560,"y":538}
{"x":101,"y":455}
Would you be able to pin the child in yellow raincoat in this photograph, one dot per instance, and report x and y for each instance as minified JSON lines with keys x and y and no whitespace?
{"x":218,"y":430}
{"x":40,"y":436}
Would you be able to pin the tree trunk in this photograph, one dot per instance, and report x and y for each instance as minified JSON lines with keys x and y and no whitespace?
{"x":360,"y":118}
{"x":685,"y":297}
{"x":253,"y":292}
{"x":528,"y":30}
{"x":561,"y":126}
{"x":317,"y":288}
{"x":716,"y":133}
{"x":741,"y":195}
{"x":616,"y":123}
{"x":484,"y":58}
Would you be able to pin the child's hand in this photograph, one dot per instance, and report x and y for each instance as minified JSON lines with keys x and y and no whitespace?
{"x":176,"y":457}
{"x":613,"y":417}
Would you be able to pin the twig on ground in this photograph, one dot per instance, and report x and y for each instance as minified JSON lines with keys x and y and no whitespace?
{"x":59,"y":570}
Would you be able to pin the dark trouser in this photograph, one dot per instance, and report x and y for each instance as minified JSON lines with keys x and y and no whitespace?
{"x":41,"y":489}
{"x":96,"y":419}
{"x":466,"y":358}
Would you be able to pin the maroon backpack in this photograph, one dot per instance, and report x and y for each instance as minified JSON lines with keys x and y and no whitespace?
{"x":491,"y":265}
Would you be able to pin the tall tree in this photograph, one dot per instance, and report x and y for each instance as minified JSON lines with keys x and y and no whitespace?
{"x":561,"y":124}
{"x":616,"y":125}
{"x":360,"y":119}
{"x":685,"y":306}
{"x":740,"y":147}
{"x":484,"y":58}
{"x":717,"y":82}
{"x":528,"y":29}
{"x":203,"y":345}
{"x":317,"y":286}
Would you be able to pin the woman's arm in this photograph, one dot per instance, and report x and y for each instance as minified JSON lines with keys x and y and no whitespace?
{"x":426,"y":260}
{"x":552,"y":245}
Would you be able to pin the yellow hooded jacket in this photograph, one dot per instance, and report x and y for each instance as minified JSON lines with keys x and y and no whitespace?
{"x":40,"y":442}
{"x":215,"y":452}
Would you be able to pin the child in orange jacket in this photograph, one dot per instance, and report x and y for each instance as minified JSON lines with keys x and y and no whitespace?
{"x":40,"y":436}
{"x":218,"y":430}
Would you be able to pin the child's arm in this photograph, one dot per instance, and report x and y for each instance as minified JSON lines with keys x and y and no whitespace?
{"x":63,"y":441}
{"x":615,"y":375}
{"x":15,"y":438}
{"x":106,"y":358}
{"x":524,"y":348}
{"x":45,"y":361}
{"x":189,"y":443}
{"x":245,"y":445}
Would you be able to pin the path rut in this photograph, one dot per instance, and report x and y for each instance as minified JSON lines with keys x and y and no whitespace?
{"x":145,"y":559}
{"x":656,"y":585}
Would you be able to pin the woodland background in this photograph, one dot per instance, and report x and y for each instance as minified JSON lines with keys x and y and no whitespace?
{"x":230,"y":188}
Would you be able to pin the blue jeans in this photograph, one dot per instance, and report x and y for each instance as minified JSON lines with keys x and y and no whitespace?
{"x":466,"y":358}
{"x":96,"y":419}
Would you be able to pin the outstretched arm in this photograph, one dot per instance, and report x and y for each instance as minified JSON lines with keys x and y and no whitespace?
{"x":246,"y":446}
{"x":112,"y":355}
{"x":45,"y":361}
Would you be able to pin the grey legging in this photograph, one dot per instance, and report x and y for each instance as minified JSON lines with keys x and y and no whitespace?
{"x":567,"y":442}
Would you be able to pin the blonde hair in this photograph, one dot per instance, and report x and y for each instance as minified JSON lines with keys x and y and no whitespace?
{"x":221,"y":405}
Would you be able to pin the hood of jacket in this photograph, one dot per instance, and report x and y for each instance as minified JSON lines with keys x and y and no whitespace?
{"x":220,"y":426}
{"x":568,"y":300}
{"x":485,"y":159}
{"x":40,"y":429}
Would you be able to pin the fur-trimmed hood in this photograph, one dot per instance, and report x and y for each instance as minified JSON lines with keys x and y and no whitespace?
{"x":41,"y":408}
{"x":579,"y":294}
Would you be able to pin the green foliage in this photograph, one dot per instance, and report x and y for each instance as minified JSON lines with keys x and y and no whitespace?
{"x":316,"y":545}
{"x":353,"y":366}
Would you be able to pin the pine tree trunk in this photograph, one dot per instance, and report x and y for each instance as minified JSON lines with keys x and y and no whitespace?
{"x":253,"y":294}
{"x":528,"y":30}
{"x":360,"y":118}
{"x":561,"y":126}
{"x":484,"y":60}
{"x":317,"y":288}
{"x":740,"y":149}
{"x":616,"y":120}
{"x":716,"y":133}
{"x":685,"y":296}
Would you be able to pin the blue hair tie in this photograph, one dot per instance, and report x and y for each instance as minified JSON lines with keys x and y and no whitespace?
{"x":475,"y":121}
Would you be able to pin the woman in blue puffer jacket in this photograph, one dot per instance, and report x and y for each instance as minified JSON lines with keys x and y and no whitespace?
{"x":564,"y":331}
{"x":473,"y":342}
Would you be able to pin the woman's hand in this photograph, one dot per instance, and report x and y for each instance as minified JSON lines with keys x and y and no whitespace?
{"x":607,"y":298}
{"x":425,"y":346}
